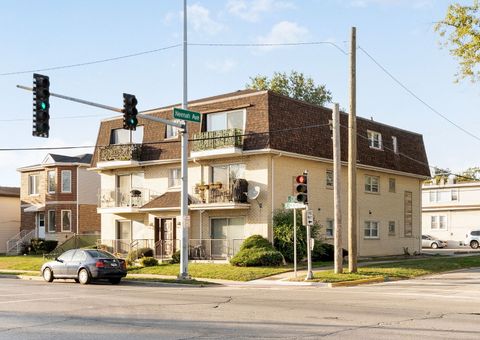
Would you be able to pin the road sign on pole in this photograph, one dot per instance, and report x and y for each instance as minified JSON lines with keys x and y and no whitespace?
{"x":310,"y":217}
{"x":182,"y":114}
{"x":294,"y":205}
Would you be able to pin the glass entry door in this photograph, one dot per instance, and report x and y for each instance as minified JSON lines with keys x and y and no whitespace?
{"x":224,"y":233}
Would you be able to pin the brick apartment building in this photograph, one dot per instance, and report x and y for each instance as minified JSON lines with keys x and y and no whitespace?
{"x":59,"y":196}
{"x":265,"y":140}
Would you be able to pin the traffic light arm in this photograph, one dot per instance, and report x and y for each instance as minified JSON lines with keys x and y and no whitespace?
{"x":106,"y":107}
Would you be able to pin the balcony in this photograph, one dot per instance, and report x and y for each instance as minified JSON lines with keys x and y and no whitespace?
{"x":119,"y":156}
{"x":216,"y":144}
{"x":123,"y":200}
{"x":219,"y":196}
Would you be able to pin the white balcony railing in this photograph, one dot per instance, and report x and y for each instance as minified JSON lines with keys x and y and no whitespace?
{"x":121,"y":197}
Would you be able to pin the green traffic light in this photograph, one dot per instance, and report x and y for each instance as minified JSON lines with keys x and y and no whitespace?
{"x":133,"y":121}
{"x":43,"y":105}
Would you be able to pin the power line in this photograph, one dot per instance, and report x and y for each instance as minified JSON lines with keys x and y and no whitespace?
{"x":91,"y":62}
{"x":417,"y":97}
{"x":170,"y":47}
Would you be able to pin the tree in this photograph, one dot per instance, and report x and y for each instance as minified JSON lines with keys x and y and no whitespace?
{"x":469,"y":175}
{"x":295,"y":85}
{"x":461,"y":30}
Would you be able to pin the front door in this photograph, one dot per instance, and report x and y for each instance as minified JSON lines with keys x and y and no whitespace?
{"x":167,"y":236}
{"x":41,"y":225}
{"x":124,"y":237}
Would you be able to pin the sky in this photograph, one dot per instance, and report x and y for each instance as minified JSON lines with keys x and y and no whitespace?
{"x":398,"y":34}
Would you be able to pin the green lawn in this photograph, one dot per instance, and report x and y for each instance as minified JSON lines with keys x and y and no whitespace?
{"x":214,"y":271}
{"x":401,"y":269}
{"x":30,"y":262}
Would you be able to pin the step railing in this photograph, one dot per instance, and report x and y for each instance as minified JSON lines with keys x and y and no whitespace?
{"x":14,"y":244}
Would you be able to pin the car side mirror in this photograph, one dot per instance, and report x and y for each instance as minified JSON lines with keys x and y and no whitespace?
{"x":58,"y":260}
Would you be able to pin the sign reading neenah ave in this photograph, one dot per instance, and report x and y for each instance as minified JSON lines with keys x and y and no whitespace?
{"x":186,"y":115}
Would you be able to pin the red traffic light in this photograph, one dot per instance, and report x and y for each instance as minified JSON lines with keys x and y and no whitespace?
{"x":302,"y":179}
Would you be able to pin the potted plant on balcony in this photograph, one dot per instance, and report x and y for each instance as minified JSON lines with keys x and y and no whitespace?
{"x":216,"y":185}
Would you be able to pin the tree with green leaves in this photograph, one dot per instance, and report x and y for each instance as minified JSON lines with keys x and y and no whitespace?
{"x":461,"y":30}
{"x":470,"y":175}
{"x":295,"y":85}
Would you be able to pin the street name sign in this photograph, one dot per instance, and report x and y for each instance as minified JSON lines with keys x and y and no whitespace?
{"x":294,"y":205}
{"x":182,"y":114}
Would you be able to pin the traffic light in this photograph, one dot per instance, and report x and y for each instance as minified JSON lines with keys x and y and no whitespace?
{"x":41,"y":105}
{"x":130,"y":112}
{"x":301,"y":189}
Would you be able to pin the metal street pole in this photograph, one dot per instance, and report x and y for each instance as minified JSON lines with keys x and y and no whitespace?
{"x":184,"y":163}
{"x":309,"y":250}
{"x":295,"y":241}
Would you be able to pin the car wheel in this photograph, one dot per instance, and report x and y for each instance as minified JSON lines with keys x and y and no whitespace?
{"x":84,"y":277}
{"x":47,"y":274}
{"x":474,"y":244}
{"x":434,"y":245}
{"x":115,"y":280}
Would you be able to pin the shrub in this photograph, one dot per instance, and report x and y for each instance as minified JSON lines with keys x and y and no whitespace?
{"x":257,"y":251}
{"x":257,"y":257}
{"x":256,"y":241}
{"x":148,"y":261}
{"x":325,"y":252}
{"x":283,"y":234}
{"x":135,"y":254}
{"x":38,"y":246}
{"x":175,"y":257}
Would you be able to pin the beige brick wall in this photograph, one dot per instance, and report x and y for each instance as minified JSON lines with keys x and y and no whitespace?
{"x":382,"y":207}
{"x":9,"y":219}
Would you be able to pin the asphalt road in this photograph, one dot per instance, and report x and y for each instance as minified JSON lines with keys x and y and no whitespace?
{"x":442,"y":307}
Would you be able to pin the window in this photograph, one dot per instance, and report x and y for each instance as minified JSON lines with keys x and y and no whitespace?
{"x":66,"y":220}
{"x":329,"y":178}
{"x":226,"y":120}
{"x":66,"y":181}
{"x":433,"y":222}
{"x":371,"y":184}
{"x":371,"y":229}
{"x":374,"y":139}
{"x":172,"y":131}
{"x":438,"y":222}
{"x":395,"y":144}
{"x":391,"y":228}
{"x":408,"y":214}
{"x":227,"y":174}
{"x":79,"y":256}
{"x":329,"y":228}
{"x":33,"y":184}
{"x":433,"y":196}
{"x":52,"y":181}
{"x":67,"y":256}
{"x":122,"y":136}
{"x":442,"y":225}
{"x":454,"y":195}
{"x":174,"y":177}
{"x":391,"y":184}
{"x":51,"y":221}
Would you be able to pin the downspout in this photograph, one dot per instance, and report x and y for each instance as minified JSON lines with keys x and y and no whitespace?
{"x":77,"y":202}
{"x":273,"y":189}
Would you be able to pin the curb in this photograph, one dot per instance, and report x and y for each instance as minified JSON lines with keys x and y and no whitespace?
{"x":356,"y":282}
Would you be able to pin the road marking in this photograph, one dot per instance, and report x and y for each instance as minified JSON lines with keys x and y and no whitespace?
{"x":41,"y":299}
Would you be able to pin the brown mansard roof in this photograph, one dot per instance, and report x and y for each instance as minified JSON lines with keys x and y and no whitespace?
{"x":10,"y":191}
{"x":281,"y":123}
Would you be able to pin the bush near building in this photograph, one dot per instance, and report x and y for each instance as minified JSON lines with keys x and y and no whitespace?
{"x":257,"y":251}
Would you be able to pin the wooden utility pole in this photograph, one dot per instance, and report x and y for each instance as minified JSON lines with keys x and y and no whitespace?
{"x":352,"y":158}
{"x":338,"y":258}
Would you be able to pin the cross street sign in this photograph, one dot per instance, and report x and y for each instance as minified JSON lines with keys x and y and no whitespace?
{"x":294,"y":205}
{"x":186,"y":115}
{"x":310,"y":217}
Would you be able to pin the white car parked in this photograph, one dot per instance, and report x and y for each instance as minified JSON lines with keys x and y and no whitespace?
{"x":473,"y":239}
{"x":430,"y":242}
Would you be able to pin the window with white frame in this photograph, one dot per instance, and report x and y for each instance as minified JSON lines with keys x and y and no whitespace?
{"x":395,"y":144}
{"x":454,"y":195}
{"x":438,"y":222}
{"x":226,"y":120}
{"x":374,"y":139}
{"x":51,"y":221}
{"x":372,"y":183}
{"x":329,"y":178}
{"x":371,"y":229}
{"x":172,"y":131}
{"x":52,"y":181}
{"x":392,"y":184}
{"x":122,"y":136}
{"x":66,"y":220}
{"x":432,"y":196}
{"x":227,"y":174}
{"x":329,"y":228}
{"x":66,"y":181}
{"x":391,"y":228}
{"x":33,"y":184}
{"x":174,"y":177}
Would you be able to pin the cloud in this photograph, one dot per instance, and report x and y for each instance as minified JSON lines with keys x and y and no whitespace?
{"x":168,"y":18}
{"x":221,"y":66}
{"x":415,"y":4}
{"x":251,"y":10}
{"x":199,"y":18}
{"x":284,"y":32}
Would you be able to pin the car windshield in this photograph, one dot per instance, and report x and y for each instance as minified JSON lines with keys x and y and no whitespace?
{"x":100,"y":254}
